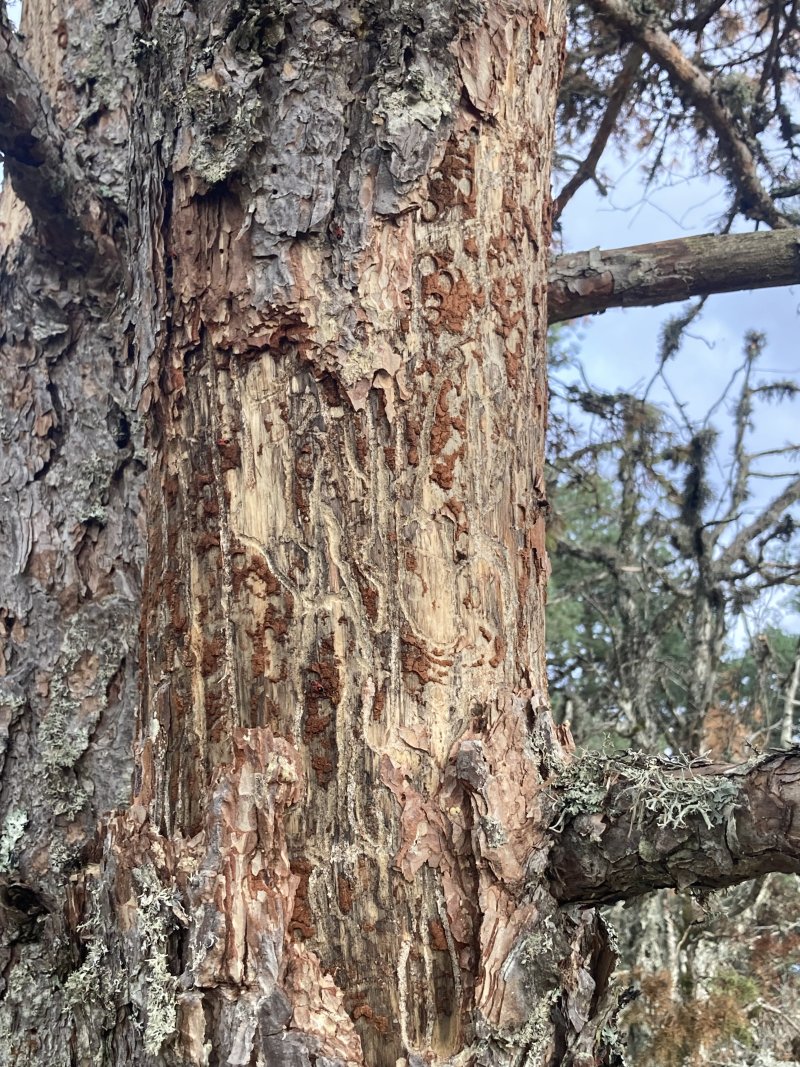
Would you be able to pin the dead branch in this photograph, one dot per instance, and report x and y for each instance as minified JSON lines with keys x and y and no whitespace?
{"x":653,"y":825}
{"x":616,"y":101}
{"x":585,"y":283}
{"x":769,"y":516}
{"x":697,"y":91}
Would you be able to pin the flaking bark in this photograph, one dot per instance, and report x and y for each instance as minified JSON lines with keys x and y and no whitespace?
{"x":326,"y":347}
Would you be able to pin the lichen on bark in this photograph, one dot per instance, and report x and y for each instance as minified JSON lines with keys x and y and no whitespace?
{"x":319,"y":292}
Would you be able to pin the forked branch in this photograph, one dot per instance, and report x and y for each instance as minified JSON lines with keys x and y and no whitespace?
{"x":696,"y":89}
{"x":616,"y":101}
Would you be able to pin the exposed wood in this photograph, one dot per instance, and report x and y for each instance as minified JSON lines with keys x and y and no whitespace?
{"x":585,"y":283}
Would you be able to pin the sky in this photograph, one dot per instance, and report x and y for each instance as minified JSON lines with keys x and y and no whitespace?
{"x":618,"y":348}
{"x":620,"y":345}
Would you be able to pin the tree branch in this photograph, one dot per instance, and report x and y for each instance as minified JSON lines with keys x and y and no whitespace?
{"x":697,"y":91}
{"x":37,"y":158}
{"x":760,"y":524}
{"x":652,"y":825}
{"x":584,"y":283}
{"x":616,"y":101}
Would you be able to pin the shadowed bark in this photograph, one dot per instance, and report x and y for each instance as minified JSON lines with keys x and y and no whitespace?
{"x":635,"y":827}
{"x":38,"y":158}
{"x":584,"y":283}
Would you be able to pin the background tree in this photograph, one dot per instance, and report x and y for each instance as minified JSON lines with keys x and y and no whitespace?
{"x":721,"y":75}
{"x":274,"y":310}
{"x":646,"y":504}
{"x":661,"y":549}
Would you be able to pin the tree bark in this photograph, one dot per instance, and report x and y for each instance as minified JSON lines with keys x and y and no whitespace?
{"x":657,"y":825}
{"x":584,"y":283}
{"x":314,"y":391}
{"x":334,"y":294}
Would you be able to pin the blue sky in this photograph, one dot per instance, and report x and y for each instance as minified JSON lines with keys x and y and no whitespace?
{"x":619,"y":347}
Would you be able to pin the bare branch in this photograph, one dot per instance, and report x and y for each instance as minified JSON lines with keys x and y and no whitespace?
{"x":697,"y":91}
{"x":790,"y":699}
{"x":616,"y":101}
{"x":37,"y":158}
{"x":584,"y":283}
{"x":770,"y":515}
{"x":652,"y":825}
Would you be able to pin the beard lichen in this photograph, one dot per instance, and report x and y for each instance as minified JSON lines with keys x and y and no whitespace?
{"x":674,"y":793}
{"x":672,"y":790}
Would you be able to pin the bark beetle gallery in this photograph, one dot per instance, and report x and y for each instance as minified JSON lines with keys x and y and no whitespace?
{"x":273,"y":298}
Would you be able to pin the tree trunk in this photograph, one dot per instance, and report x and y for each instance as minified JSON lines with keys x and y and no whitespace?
{"x":327,"y":316}
{"x":290,"y":343}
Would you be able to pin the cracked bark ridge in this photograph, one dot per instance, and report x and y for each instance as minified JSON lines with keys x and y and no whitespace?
{"x":584,"y":283}
{"x":626,"y":828}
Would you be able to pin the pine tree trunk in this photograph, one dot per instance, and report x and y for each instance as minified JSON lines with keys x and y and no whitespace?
{"x":315,"y":312}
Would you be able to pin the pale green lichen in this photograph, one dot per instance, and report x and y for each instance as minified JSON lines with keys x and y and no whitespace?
{"x":83,"y":985}
{"x":536,"y":1034}
{"x":493,"y":829}
{"x":66,"y":729}
{"x":522,"y":1047}
{"x":89,"y":486}
{"x":257,"y":27}
{"x":30,"y":993}
{"x":671,"y":790}
{"x":94,"y":991}
{"x":610,"y":1040}
{"x":674,"y":795}
{"x":420,"y":100}
{"x":13,"y":828}
{"x":738,"y":92}
{"x":227,"y":120}
{"x":156,"y":907}
{"x":96,"y":61}
{"x":581,"y":787}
